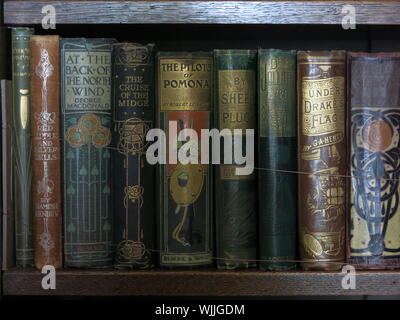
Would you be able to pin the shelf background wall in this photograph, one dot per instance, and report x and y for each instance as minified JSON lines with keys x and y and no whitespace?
{"x":202,"y":12}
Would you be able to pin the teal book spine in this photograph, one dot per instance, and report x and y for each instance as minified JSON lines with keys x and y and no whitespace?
{"x":22,"y":149}
{"x":86,"y":121}
{"x":277,"y":150}
{"x":235,"y":195}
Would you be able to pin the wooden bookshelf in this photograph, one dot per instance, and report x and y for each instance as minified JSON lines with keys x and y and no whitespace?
{"x":271,"y":21}
{"x":202,"y":12}
{"x":198,"y":283}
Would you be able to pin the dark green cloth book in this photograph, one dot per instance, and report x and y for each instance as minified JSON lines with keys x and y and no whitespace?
{"x":22,"y":175}
{"x":235,"y":195}
{"x":86,"y":120}
{"x":277,"y":149}
{"x":134,"y":112}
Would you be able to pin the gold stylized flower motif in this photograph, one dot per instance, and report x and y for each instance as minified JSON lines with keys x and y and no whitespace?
{"x":133,"y":194}
{"x":89,"y":126}
{"x":132,"y":136}
{"x":130,"y":250}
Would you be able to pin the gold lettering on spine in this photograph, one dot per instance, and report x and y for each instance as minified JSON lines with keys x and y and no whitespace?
{"x":185,"y":84}
{"x":236,"y":99}
{"x":275,"y":89}
{"x":323,"y":110}
{"x":323,"y":106}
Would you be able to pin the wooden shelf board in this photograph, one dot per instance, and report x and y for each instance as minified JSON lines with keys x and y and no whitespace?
{"x":202,"y":12}
{"x":70,"y":282}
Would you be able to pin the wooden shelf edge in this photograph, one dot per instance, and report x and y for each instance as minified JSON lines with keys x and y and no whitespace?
{"x":202,"y":12}
{"x":71,"y":282}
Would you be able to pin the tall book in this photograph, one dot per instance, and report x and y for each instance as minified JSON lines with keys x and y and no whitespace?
{"x":322,"y":158}
{"x":8,"y":250}
{"x":374,"y":129}
{"x":21,"y":81}
{"x":277,"y":149}
{"x":184,"y":101}
{"x":86,"y":120}
{"x":235,"y":195}
{"x":46,"y":160}
{"x":134,"y":112}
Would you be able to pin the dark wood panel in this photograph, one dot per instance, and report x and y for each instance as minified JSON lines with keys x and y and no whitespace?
{"x":384,"y":40}
{"x":175,"y":37}
{"x":202,"y":12}
{"x":199,"y":283}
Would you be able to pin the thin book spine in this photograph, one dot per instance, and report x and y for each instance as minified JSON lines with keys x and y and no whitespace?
{"x":46,"y":157}
{"x":8,"y":258}
{"x":184,"y":100}
{"x":236,"y":195}
{"x":86,"y":119}
{"x":322,"y":159}
{"x":133,"y":117}
{"x":21,"y":79}
{"x":374,"y":131}
{"x":277,"y":155}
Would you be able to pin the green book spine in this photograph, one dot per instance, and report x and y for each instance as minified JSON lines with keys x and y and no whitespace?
{"x":134,"y":111}
{"x":184,"y":98}
{"x":277,"y":147}
{"x":86,"y":119}
{"x":22,"y":147}
{"x":236,"y":201}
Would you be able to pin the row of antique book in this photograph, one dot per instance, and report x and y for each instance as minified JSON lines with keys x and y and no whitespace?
{"x":325,"y":190}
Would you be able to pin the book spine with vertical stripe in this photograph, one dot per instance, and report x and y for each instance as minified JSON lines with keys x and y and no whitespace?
{"x":133,"y":117}
{"x":22,"y":176}
{"x":46,"y":159}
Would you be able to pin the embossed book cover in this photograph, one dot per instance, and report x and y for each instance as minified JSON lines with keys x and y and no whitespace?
{"x":374,"y":130}
{"x":46,"y":160}
{"x":22,"y":149}
{"x":184,"y":100}
{"x":235,"y":195}
{"x":134,"y":187}
{"x":86,"y":125}
{"x":277,"y":154}
{"x":322,"y":158}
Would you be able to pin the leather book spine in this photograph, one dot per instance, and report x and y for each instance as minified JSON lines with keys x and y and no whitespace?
{"x":277,"y":149}
{"x":235,"y":195}
{"x":22,"y":176}
{"x":374,"y":130}
{"x":184,"y":102}
{"x":322,"y":158}
{"x":46,"y":160}
{"x":86,"y":126}
{"x":134,"y":112}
